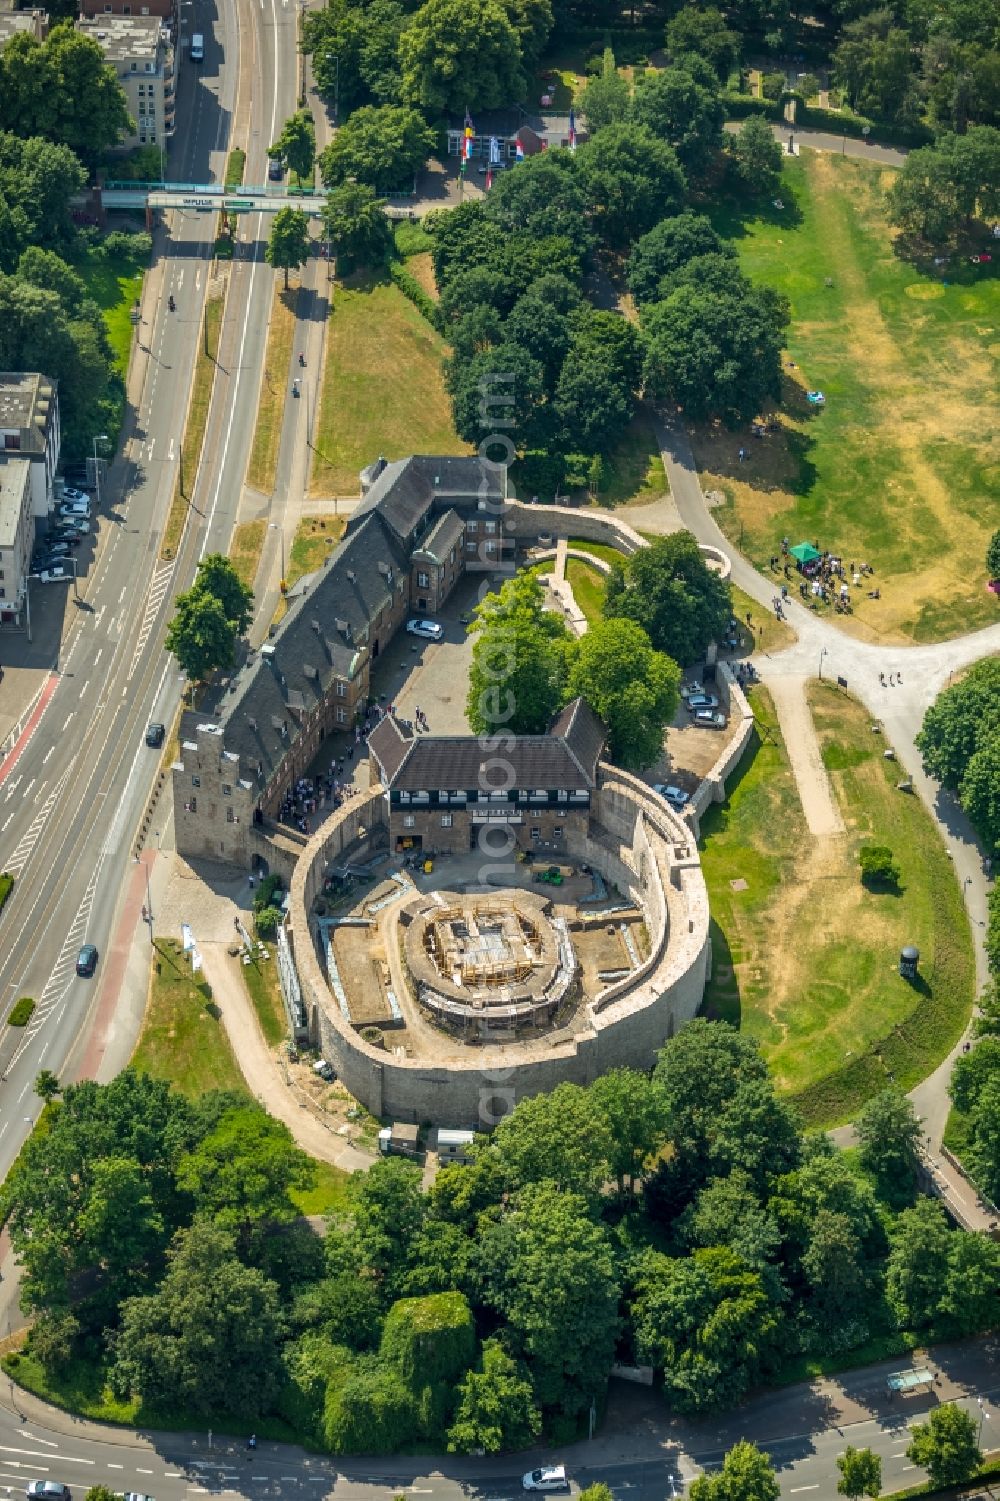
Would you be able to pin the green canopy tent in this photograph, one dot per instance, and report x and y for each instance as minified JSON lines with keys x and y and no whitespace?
{"x":804,"y":552}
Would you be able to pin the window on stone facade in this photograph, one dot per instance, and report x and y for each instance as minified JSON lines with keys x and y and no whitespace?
{"x":192,"y":806}
{"x":408,"y":820}
{"x":227,"y":790}
{"x":472,"y":526}
{"x":539,"y":793}
{"x":341,"y":716}
{"x":579,"y":797}
{"x":491,"y":547}
{"x":536,"y":833}
{"x":558,"y":833}
{"x":423,"y":580}
{"x":196,"y":781}
{"x":470,"y":547}
{"x":451,"y":556}
{"x":446,"y":820}
{"x":230,"y":816}
{"x":341,"y":690}
{"x":404,"y":797}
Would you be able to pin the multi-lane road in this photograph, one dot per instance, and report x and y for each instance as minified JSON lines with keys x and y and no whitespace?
{"x":642,"y":1454}
{"x":70,"y":804}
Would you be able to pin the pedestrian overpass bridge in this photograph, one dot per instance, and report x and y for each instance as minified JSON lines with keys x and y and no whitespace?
{"x":210,"y":198}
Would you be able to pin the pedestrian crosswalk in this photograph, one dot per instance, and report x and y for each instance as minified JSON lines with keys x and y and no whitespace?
{"x":158,"y":587}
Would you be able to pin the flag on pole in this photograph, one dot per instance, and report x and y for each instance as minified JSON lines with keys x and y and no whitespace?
{"x":494,"y":150}
{"x":469,"y":133}
{"x":572,"y":129}
{"x":489,"y":177}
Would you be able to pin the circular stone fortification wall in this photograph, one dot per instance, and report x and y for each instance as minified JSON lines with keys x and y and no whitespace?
{"x":639,"y":846}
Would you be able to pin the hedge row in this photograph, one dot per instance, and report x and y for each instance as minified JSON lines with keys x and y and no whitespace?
{"x":411,"y":288}
{"x":739,"y":106}
{"x":20,"y":1012}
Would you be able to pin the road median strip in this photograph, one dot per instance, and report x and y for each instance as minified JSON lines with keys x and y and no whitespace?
{"x":202,"y":386}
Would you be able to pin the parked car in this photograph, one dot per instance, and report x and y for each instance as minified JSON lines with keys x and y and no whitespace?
{"x":71,"y":493}
{"x":548,"y":1478}
{"x":155,"y":734}
{"x":324,"y":1070}
{"x":275,"y":168}
{"x":709,"y":719}
{"x":428,"y":629}
{"x":688,"y":688}
{"x":53,"y":547}
{"x":47,"y":1490}
{"x":57,"y":574}
{"x":702,"y":701}
{"x":136,"y":1496}
{"x":77,"y":508}
{"x":68,"y":534}
{"x":78,"y":525}
{"x":86,"y":960}
{"x":675,"y":796}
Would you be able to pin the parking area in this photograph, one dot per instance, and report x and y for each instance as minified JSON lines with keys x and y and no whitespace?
{"x":692,"y":749}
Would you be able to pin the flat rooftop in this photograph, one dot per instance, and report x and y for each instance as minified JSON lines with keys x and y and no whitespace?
{"x":25,"y":401}
{"x":15,"y":477}
{"x":124,"y":38}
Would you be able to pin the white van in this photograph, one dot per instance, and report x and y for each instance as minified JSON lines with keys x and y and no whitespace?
{"x":197,"y":47}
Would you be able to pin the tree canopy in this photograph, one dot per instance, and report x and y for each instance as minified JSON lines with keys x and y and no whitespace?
{"x":454,"y":51}
{"x":288,"y":243}
{"x":959,"y":743}
{"x":518,"y":661}
{"x":62,"y":91}
{"x":296,"y":146}
{"x":383,"y":146}
{"x":209,"y":617}
{"x":358,"y":230}
{"x":632,"y":687}
{"x":670,"y":591}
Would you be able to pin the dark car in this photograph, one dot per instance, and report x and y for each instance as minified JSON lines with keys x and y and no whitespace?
{"x":67,"y":534}
{"x":47,"y":1490}
{"x":155,"y":734}
{"x":86,"y":960}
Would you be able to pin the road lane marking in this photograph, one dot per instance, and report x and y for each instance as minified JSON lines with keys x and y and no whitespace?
{"x":100,"y":654}
{"x":797,"y":1488}
{"x":142,"y":1472}
{"x":69,"y":716}
{"x":115,"y":1467}
{"x":47,"y":754}
{"x":67,"y":1459}
{"x":121,"y":597}
{"x":6,"y":822}
{"x":49,"y":1443}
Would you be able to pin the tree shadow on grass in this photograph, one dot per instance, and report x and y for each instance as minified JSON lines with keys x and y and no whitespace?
{"x":733,"y":217}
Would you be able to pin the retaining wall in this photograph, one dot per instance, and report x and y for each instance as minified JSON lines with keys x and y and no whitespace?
{"x":637,"y":843}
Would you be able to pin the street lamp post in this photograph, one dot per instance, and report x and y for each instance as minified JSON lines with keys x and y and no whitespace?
{"x":98,"y":438}
{"x":823,"y":653}
{"x":274,"y":527}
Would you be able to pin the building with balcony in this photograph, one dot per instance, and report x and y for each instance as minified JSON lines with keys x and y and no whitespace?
{"x":140,"y":49}
{"x":29,"y":429}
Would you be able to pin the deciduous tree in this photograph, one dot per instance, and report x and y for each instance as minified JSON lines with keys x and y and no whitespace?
{"x":563,"y":1137}
{"x":496,"y":1406}
{"x":918,"y":1264}
{"x":631,"y":180}
{"x":682,"y":112}
{"x":860,"y":1473}
{"x":200,"y":635}
{"x":356,"y":226}
{"x":243,"y":1172}
{"x":288,"y":245}
{"x":746,"y":1475}
{"x":634,"y":689}
{"x":296,"y":145}
{"x":454,"y":52}
{"x":889,"y":1136}
{"x":756,"y":157}
{"x":635,"y":1108}
{"x":701,"y":29}
{"x":383,"y":147}
{"x":518,"y":661}
{"x":668,"y":589}
{"x":945,"y":1446}
{"x":667,"y":247}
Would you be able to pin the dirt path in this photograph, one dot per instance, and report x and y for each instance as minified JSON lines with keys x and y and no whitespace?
{"x":799,"y":733}
{"x":260,"y":1070}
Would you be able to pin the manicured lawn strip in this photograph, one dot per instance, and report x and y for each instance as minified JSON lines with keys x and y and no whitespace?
{"x":599,"y":549}
{"x":894,"y":468}
{"x":314,"y":541}
{"x":916,"y":1026}
{"x":261,"y":979}
{"x":115,"y":284}
{"x":194,"y":430}
{"x":383,"y":391}
{"x":769,"y":633}
{"x":235,"y":166}
{"x":804,"y":959}
{"x":588,"y":589}
{"x":329,"y":1193}
{"x":246,"y":548}
{"x":274,"y":386}
{"x":83,"y":1390}
{"x":182,"y":1038}
{"x":21,"y":1012}
{"x":6,"y":887}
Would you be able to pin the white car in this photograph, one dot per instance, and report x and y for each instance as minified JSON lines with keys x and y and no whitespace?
{"x":56,"y":575}
{"x":548,"y":1478}
{"x":428,"y":629}
{"x":80,"y":509}
{"x":698,"y":701}
{"x":707,"y":719}
{"x":675,"y":796}
{"x":78,"y":524}
{"x":71,"y":493}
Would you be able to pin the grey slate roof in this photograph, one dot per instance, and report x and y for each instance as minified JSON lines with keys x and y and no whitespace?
{"x":404,"y":492}
{"x":564,"y":758}
{"x":447,"y":532}
{"x":288,"y":678}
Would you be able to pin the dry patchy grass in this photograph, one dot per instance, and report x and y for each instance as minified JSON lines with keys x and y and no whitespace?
{"x":901,"y":466}
{"x":246,"y":548}
{"x":202,"y":384}
{"x":263,"y":463}
{"x":383,"y":391}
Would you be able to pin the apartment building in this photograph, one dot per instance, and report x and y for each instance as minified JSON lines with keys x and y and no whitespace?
{"x":17,"y":538}
{"x":29,"y":429}
{"x":140,"y":49}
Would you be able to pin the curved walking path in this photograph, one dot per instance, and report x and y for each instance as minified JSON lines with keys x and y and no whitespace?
{"x":923,"y":671}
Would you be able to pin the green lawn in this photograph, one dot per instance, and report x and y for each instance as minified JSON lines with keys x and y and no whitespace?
{"x":182,"y":1036}
{"x":900,"y":465}
{"x":383,"y":391}
{"x":587,"y":584}
{"x":264,"y":990}
{"x":329,"y":1193}
{"x":633,"y":470}
{"x":804,"y":959}
{"x":115,"y":284}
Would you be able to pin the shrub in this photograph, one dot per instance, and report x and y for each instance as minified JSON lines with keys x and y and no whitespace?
{"x":268,"y":893}
{"x":6,"y":887}
{"x":266,"y":922}
{"x":235,"y":167}
{"x":373,"y":1036}
{"x":131,"y":247}
{"x":411,"y":288}
{"x":20,"y":1013}
{"x":411,"y":238}
{"x":878,"y":868}
{"x":371,"y":1412}
{"x":772,"y":85}
{"x":432,"y":1340}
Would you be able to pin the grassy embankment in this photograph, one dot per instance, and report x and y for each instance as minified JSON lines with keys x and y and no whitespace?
{"x":804,"y":958}
{"x":895,"y":467}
